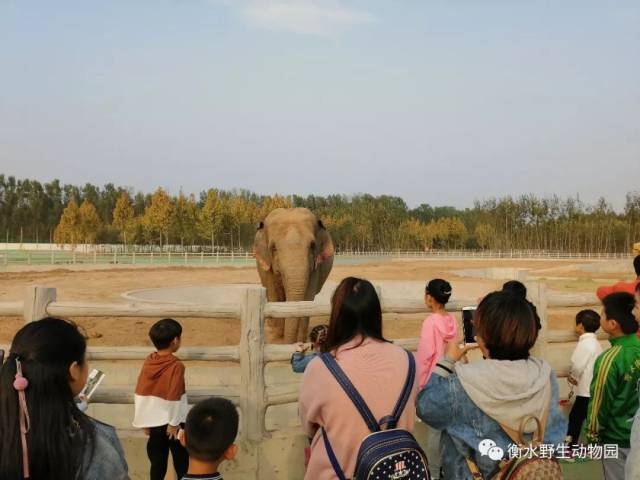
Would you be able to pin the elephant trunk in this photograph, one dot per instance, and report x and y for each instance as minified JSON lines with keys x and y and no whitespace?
{"x":295,"y":286}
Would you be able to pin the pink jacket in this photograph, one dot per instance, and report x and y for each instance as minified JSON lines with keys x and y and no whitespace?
{"x":436,"y":331}
{"x":378,"y":370}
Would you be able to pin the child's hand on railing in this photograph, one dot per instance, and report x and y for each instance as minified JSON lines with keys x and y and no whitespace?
{"x":302,"y":347}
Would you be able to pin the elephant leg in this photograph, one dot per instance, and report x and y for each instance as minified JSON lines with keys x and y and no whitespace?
{"x":303,"y":329}
{"x":291,"y":329}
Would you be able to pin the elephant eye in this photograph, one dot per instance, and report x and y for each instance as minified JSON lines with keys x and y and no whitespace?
{"x":273,"y":247}
{"x":312,"y":246}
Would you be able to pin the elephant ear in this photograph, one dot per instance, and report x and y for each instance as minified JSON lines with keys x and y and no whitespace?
{"x":261,"y":248}
{"x":324,"y":244}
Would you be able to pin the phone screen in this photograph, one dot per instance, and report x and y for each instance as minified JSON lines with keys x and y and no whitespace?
{"x":467,"y":324}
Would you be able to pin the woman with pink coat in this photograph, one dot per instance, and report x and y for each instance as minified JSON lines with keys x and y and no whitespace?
{"x":376,"y":367}
{"x":438,"y":328}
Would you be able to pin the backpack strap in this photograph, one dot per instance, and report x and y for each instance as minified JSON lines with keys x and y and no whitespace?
{"x":332,"y":456}
{"x":358,"y":401}
{"x":473,"y":468}
{"x":351,"y":391}
{"x":392,"y":420}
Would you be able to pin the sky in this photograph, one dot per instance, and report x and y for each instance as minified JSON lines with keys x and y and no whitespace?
{"x":438,"y":102}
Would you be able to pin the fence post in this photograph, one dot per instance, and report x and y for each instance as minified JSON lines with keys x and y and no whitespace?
{"x":53,"y":257}
{"x":29,"y":257}
{"x":74,"y":257}
{"x":202,"y":257}
{"x":537,"y":293}
{"x":133,"y":257}
{"x":35,"y":302}
{"x":185,"y":258}
{"x":253,"y":402}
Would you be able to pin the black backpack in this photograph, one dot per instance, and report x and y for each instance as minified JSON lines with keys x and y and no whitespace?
{"x":390,"y":454}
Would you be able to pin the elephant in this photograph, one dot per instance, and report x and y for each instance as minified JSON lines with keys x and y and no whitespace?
{"x":294,"y":255}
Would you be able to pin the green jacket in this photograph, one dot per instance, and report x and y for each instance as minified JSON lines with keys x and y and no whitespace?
{"x":614,"y":392}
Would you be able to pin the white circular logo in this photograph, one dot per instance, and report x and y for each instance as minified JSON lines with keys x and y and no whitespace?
{"x":485,"y":445}
{"x":496,"y":453}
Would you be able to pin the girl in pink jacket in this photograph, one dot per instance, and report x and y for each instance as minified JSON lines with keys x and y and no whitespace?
{"x":438,"y":328}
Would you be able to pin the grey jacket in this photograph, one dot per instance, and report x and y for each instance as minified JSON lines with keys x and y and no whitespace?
{"x":445,"y":405}
{"x":108,"y":460}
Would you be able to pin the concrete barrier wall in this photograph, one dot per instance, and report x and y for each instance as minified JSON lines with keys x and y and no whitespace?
{"x":271,"y":442}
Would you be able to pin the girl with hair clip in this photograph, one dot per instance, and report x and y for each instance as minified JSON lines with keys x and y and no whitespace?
{"x":438,"y":328}
{"x":43,"y":434}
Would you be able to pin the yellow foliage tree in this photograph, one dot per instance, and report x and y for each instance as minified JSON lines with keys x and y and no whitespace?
{"x":68,"y":229}
{"x":210,"y":218}
{"x":90,"y":222}
{"x":157,"y":217}
{"x":184,"y":218}
{"x":485,"y":235}
{"x":276,"y":201}
{"x":123,"y":218}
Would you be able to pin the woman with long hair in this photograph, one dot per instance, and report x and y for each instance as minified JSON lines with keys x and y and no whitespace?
{"x":377,"y":368}
{"x":43,"y":434}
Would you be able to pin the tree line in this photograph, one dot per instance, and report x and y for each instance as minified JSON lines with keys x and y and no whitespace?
{"x":31,"y":211}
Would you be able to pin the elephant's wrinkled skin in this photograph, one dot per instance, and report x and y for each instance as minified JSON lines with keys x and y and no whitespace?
{"x":294,"y":255}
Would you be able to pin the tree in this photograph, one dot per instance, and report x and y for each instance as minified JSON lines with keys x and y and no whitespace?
{"x":210,"y":221}
{"x":157,"y":217}
{"x":485,"y":235}
{"x":271,"y":203}
{"x":69,"y":229}
{"x":89,"y":222}
{"x":184,"y":219}
{"x":124,"y":218}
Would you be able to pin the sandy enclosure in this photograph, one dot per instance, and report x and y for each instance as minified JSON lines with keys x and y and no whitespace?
{"x":103,"y":285}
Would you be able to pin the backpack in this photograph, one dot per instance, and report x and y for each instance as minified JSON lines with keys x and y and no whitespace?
{"x":525,"y":468}
{"x":390,"y":454}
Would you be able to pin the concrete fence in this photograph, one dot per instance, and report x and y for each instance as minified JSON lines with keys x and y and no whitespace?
{"x":269,"y":431}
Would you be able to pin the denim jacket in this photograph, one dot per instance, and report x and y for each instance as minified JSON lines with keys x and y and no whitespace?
{"x":444,"y":405}
{"x":299,"y":361}
{"x":108,"y":457}
{"x":632,"y":467}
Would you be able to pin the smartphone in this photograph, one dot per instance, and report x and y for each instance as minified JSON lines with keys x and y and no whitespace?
{"x":468,"y":328}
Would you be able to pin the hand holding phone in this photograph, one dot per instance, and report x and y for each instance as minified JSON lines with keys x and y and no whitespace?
{"x":468,"y":327}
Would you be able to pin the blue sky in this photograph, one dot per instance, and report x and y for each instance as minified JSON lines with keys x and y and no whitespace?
{"x":436,"y":101}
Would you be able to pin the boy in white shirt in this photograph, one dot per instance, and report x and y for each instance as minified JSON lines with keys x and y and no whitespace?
{"x":582,"y":362}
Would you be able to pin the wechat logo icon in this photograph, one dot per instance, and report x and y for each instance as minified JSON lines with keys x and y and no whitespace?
{"x":489,"y":449}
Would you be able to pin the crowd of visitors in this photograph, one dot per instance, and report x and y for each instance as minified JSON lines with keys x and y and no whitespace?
{"x":360,"y":397}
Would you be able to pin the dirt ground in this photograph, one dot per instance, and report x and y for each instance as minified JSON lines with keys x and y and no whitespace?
{"x":107,"y":285}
